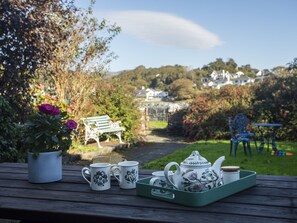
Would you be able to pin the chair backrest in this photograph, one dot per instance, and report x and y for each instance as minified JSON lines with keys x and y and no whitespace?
{"x":240,"y":123}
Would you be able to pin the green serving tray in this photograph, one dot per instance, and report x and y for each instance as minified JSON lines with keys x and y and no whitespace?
{"x":196,"y":199}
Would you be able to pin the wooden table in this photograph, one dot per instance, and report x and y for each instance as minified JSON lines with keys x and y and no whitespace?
{"x":273,"y":199}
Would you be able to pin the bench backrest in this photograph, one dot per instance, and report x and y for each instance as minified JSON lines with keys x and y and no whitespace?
{"x":100,"y":122}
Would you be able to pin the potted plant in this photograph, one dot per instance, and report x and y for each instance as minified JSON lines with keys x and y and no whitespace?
{"x":46,"y":136}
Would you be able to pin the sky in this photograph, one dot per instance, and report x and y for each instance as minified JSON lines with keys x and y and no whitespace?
{"x":194,"y":33}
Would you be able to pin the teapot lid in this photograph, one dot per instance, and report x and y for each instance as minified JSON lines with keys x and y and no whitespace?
{"x":195,"y":159}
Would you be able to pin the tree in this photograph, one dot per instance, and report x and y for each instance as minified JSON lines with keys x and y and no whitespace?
{"x":293,"y":66}
{"x":80,"y":60}
{"x":182,"y":89}
{"x":29,"y":33}
{"x":279,"y":70}
{"x":217,"y":65}
{"x":248,"y":70}
{"x":231,"y":65}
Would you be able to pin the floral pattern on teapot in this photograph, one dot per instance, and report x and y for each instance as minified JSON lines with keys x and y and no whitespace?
{"x":195,"y":174}
{"x":208,"y":180}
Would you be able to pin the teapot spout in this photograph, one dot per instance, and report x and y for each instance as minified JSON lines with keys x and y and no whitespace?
{"x":216,"y":167}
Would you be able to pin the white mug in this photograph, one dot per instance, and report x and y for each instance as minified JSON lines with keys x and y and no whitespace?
{"x":126,"y":173}
{"x":99,"y":176}
{"x":159,"y":179}
{"x":230,"y":173}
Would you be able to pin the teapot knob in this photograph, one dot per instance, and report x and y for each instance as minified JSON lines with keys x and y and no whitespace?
{"x":195,"y":153}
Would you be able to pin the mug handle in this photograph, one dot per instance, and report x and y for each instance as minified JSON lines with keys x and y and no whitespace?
{"x":174,"y":176}
{"x":153,"y":180}
{"x":83,"y":172}
{"x":113,"y":170}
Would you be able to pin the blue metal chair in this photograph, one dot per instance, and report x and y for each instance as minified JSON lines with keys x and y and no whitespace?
{"x":240,"y":123}
{"x":236,"y":138}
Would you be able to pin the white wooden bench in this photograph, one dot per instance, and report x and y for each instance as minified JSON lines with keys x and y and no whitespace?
{"x":98,"y":125}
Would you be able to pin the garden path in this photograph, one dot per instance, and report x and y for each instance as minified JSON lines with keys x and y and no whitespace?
{"x":155,"y":144}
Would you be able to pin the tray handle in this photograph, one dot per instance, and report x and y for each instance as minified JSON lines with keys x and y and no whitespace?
{"x":162,"y":193}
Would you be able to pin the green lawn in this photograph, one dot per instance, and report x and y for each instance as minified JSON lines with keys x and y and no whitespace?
{"x":158,"y":124}
{"x":262,"y":164}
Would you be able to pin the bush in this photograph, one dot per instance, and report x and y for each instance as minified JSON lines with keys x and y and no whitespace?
{"x":208,"y":114}
{"x":8,"y":133}
{"x":276,"y":102}
{"x":119,"y":104}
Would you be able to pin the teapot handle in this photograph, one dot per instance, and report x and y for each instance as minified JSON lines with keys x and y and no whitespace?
{"x":172,"y":179}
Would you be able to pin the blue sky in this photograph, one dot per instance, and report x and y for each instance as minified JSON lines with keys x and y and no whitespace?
{"x":155,"y":33}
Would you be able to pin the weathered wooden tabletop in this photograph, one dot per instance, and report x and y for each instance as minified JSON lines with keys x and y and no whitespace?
{"x":272,"y":199}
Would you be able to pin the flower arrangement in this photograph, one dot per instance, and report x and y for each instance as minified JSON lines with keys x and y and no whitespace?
{"x":48,"y":130}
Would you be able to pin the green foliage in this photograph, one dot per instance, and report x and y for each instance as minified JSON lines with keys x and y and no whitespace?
{"x":208,"y":113}
{"x":157,"y":78}
{"x":272,"y":100}
{"x":80,"y":60}
{"x":182,"y":89}
{"x":276,"y":102}
{"x":211,"y":150}
{"x":229,"y":66}
{"x":163,"y":78}
{"x":157,"y":124}
{"x":30,"y":31}
{"x":293,"y":66}
{"x":8,"y":132}
{"x":47,"y":130}
{"x":119,"y":104}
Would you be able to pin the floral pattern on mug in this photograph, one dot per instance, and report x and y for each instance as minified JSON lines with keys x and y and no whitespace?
{"x":131,"y":176}
{"x":100,"y":178}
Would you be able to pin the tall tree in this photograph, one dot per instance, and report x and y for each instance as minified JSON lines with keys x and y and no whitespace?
{"x":81,"y":58}
{"x":29,"y":33}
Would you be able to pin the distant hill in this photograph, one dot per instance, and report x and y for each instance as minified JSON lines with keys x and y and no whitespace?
{"x":112,"y":74}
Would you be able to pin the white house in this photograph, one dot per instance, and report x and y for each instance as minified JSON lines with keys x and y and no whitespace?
{"x":243,"y":80}
{"x":218,"y":79}
{"x":154,"y":94}
{"x":151,"y":94}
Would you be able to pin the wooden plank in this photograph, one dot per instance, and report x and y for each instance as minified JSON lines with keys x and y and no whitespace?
{"x":87,"y":212}
{"x":272,"y":207}
{"x":276,"y":184}
{"x":61,"y":186}
{"x":277,"y":178}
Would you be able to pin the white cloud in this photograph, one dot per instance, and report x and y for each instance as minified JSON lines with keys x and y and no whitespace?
{"x":164,"y":29}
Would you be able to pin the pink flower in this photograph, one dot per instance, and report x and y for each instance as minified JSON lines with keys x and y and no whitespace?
{"x":55,"y":111}
{"x":48,"y":109}
{"x":71,"y":124}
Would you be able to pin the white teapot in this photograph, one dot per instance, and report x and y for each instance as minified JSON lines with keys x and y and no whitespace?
{"x":195,"y":173}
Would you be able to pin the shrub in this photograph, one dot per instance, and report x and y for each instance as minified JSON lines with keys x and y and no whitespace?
{"x":119,"y":104}
{"x":276,"y":102}
{"x":208,"y":114}
{"x":8,"y":134}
